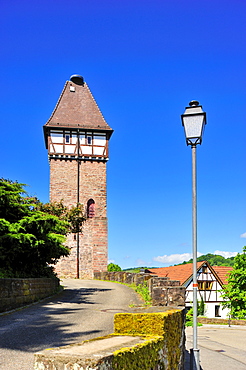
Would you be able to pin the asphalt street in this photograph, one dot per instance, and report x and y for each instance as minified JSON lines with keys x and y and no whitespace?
{"x":221,"y":347}
{"x":84,"y":310}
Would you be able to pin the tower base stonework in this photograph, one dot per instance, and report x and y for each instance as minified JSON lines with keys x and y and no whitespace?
{"x":93,"y":251}
{"x":93,"y":241}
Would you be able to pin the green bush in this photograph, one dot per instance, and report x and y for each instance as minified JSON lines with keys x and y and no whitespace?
{"x":234,"y":293}
{"x":200,"y":308}
{"x":189,"y":318}
{"x":113,"y":267}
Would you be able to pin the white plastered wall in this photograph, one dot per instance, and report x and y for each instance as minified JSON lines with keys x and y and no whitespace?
{"x":215,"y":299}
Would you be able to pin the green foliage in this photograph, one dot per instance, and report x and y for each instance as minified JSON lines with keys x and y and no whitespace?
{"x":30,"y":238}
{"x":13,"y":203}
{"x":74,"y":216}
{"x":143,"y":291}
{"x":138,"y":269}
{"x":235,"y":291}
{"x":189,"y":317}
{"x":200,"y":307}
{"x":213,"y":260}
{"x":135,"y":270}
{"x":200,"y":312}
{"x":113,"y":267}
{"x":54,"y":208}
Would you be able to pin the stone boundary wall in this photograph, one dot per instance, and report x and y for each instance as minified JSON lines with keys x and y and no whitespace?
{"x":163,"y":291}
{"x":16,"y":293}
{"x":218,"y":321}
{"x":150,"y":341}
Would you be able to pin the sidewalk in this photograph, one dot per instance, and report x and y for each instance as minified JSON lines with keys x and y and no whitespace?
{"x":221,"y":347}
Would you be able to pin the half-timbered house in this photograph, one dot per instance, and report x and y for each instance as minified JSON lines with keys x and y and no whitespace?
{"x":210,"y":279}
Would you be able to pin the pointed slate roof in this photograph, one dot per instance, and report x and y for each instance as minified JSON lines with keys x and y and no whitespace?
{"x":77,"y":108}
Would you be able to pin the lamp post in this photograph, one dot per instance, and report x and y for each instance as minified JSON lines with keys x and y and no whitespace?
{"x":194,"y":121}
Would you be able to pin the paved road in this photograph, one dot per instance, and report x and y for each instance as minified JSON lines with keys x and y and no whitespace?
{"x":84,"y":310}
{"x":221,"y":347}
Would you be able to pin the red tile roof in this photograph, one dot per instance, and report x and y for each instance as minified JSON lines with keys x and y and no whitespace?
{"x":184,"y":272}
{"x":180,"y":272}
{"x":222,"y":272}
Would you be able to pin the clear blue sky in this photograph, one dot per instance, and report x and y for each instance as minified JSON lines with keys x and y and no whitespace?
{"x":144,"y":61}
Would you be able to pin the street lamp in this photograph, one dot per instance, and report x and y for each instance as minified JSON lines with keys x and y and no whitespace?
{"x":194,"y":121}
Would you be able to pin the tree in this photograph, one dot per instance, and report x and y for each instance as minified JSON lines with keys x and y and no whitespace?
{"x":74,"y":216}
{"x":235,"y":291}
{"x":31,"y":239}
{"x":213,"y":260}
{"x":114,"y":267}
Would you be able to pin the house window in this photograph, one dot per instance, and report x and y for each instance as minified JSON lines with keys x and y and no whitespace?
{"x":217,"y":311}
{"x":90,"y":208}
{"x":89,"y":140}
{"x":205,"y":269}
{"x":205,"y":285}
{"x":67,"y":139}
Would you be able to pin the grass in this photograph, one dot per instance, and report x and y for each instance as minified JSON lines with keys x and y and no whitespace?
{"x":143,"y":291}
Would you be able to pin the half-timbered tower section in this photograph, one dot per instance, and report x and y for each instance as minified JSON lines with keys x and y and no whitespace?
{"x":77,"y":136}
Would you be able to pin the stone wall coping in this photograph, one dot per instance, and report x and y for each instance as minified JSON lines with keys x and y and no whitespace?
{"x":94,"y":349}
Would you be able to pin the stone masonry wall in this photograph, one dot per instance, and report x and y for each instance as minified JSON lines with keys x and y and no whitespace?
{"x":219,"y":321}
{"x":93,"y":240}
{"x":149,"y":341}
{"x":15,"y":293}
{"x":163,"y":291}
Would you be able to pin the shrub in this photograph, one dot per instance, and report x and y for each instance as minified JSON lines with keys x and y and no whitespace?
{"x":113,"y":267}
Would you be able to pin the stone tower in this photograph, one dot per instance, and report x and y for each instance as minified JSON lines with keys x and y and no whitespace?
{"x":77,"y":136}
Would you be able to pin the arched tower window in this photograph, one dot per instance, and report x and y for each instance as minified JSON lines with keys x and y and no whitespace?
{"x":90,"y":208}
